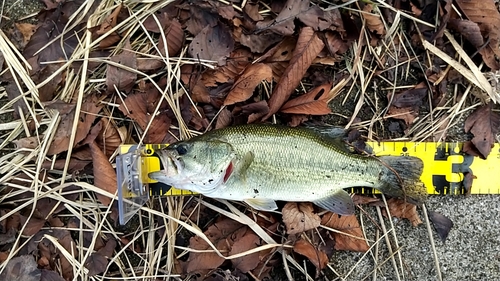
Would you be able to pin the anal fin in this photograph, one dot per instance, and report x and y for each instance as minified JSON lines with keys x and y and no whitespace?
{"x":262,"y":204}
{"x":340,"y":203}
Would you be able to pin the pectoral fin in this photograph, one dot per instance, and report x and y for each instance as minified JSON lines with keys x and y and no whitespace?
{"x":243,"y":165}
{"x":262,"y":204}
{"x":340,"y":203}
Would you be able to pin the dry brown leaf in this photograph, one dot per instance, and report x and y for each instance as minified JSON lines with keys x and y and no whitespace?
{"x":258,"y":43}
{"x":32,"y":226}
{"x":224,"y":119}
{"x":21,"y":268}
{"x":220,"y":234}
{"x":347,"y":224}
{"x":212,"y":43}
{"x":307,"y":48}
{"x":141,"y":105}
{"x":245,"y":85}
{"x":410,"y":98}
{"x":200,"y":18}
{"x":441,"y":223}
{"x":109,"y":138}
{"x":373,"y":21}
{"x":317,"y":257}
{"x":197,"y":90}
{"x":360,"y":199}
{"x":255,"y":111}
{"x":175,"y":39}
{"x":88,"y":114}
{"x":299,"y":217}
{"x":407,"y":114}
{"x":252,"y":10}
{"x":279,"y":56}
{"x":315,"y":102}
{"x":27,"y":30}
{"x":98,"y":262}
{"x":335,"y":44}
{"x":401,"y":209}
{"x":118,"y":77}
{"x":104,"y":173}
{"x":487,"y":16}
{"x":238,"y":60}
{"x":108,"y":24}
{"x":283,"y":24}
{"x":483,"y":123}
{"x":248,"y":241}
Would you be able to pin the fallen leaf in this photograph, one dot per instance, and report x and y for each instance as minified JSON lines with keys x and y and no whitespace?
{"x":110,"y":137}
{"x":174,"y":36}
{"x":299,"y":217}
{"x":192,"y":79}
{"x":27,"y":30}
{"x":98,"y":262}
{"x":484,"y":124}
{"x":141,"y":105}
{"x":307,"y":48}
{"x":124,"y":80}
{"x":224,"y":119}
{"x":212,"y":43}
{"x":219,"y":234}
{"x":247,"y":242}
{"x":373,"y":21}
{"x":315,"y":102}
{"x":252,"y":10}
{"x":200,"y":18}
{"x":407,"y":114}
{"x":360,"y":199}
{"x":487,"y":17}
{"x":441,"y":223}
{"x":258,"y":43}
{"x":410,"y":98}
{"x":104,"y":173}
{"x":49,"y":275}
{"x":238,"y":60}
{"x":317,"y":257}
{"x":245,"y":85}
{"x":255,"y":111}
{"x":89,"y":109}
{"x":23,"y":268}
{"x":31,"y":226}
{"x":278,"y":57}
{"x":349,"y":225}
{"x":399,"y":208}
{"x":335,"y":44}
{"x":283,"y":24}
{"x":108,"y":24}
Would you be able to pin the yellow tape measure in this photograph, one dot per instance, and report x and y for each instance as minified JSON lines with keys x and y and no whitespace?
{"x":447,"y":169}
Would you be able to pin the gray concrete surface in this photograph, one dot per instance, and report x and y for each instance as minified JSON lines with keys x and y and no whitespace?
{"x":471,"y":252}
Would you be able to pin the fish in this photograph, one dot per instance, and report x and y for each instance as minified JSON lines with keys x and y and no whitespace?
{"x":260,"y":164}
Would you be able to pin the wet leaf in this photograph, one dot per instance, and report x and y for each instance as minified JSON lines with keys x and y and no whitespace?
{"x":212,"y":43}
{"x":484,"y":124}
{"x":104,"y":173}
{"x":315,"y":102}
{"x":299,"y":217}
{"x":23,"y":268}
{"x":349,"y":225}
{"x":307,"y":48}
{"x":401,"y":209}
{"x":441,"y":223}
{"x":317,"y":257}
{"x":119,"y":77}
{"x":245,"y":85}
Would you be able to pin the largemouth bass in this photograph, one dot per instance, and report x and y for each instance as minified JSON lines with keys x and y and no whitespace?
{"x":260,"y":164}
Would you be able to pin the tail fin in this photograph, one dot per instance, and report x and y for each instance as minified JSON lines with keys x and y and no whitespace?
{"x":402,"y":178}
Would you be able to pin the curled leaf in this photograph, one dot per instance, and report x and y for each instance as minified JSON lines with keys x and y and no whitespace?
{"x":245,"y":85}
{"x":299,"y":217}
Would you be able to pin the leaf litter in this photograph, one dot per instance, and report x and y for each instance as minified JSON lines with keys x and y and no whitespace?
{"x":164,"y":72}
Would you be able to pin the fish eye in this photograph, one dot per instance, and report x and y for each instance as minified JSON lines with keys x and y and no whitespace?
{"x":181,"y":149}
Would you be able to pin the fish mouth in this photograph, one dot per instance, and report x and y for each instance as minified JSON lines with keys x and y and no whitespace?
{"x":171,"y":167}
